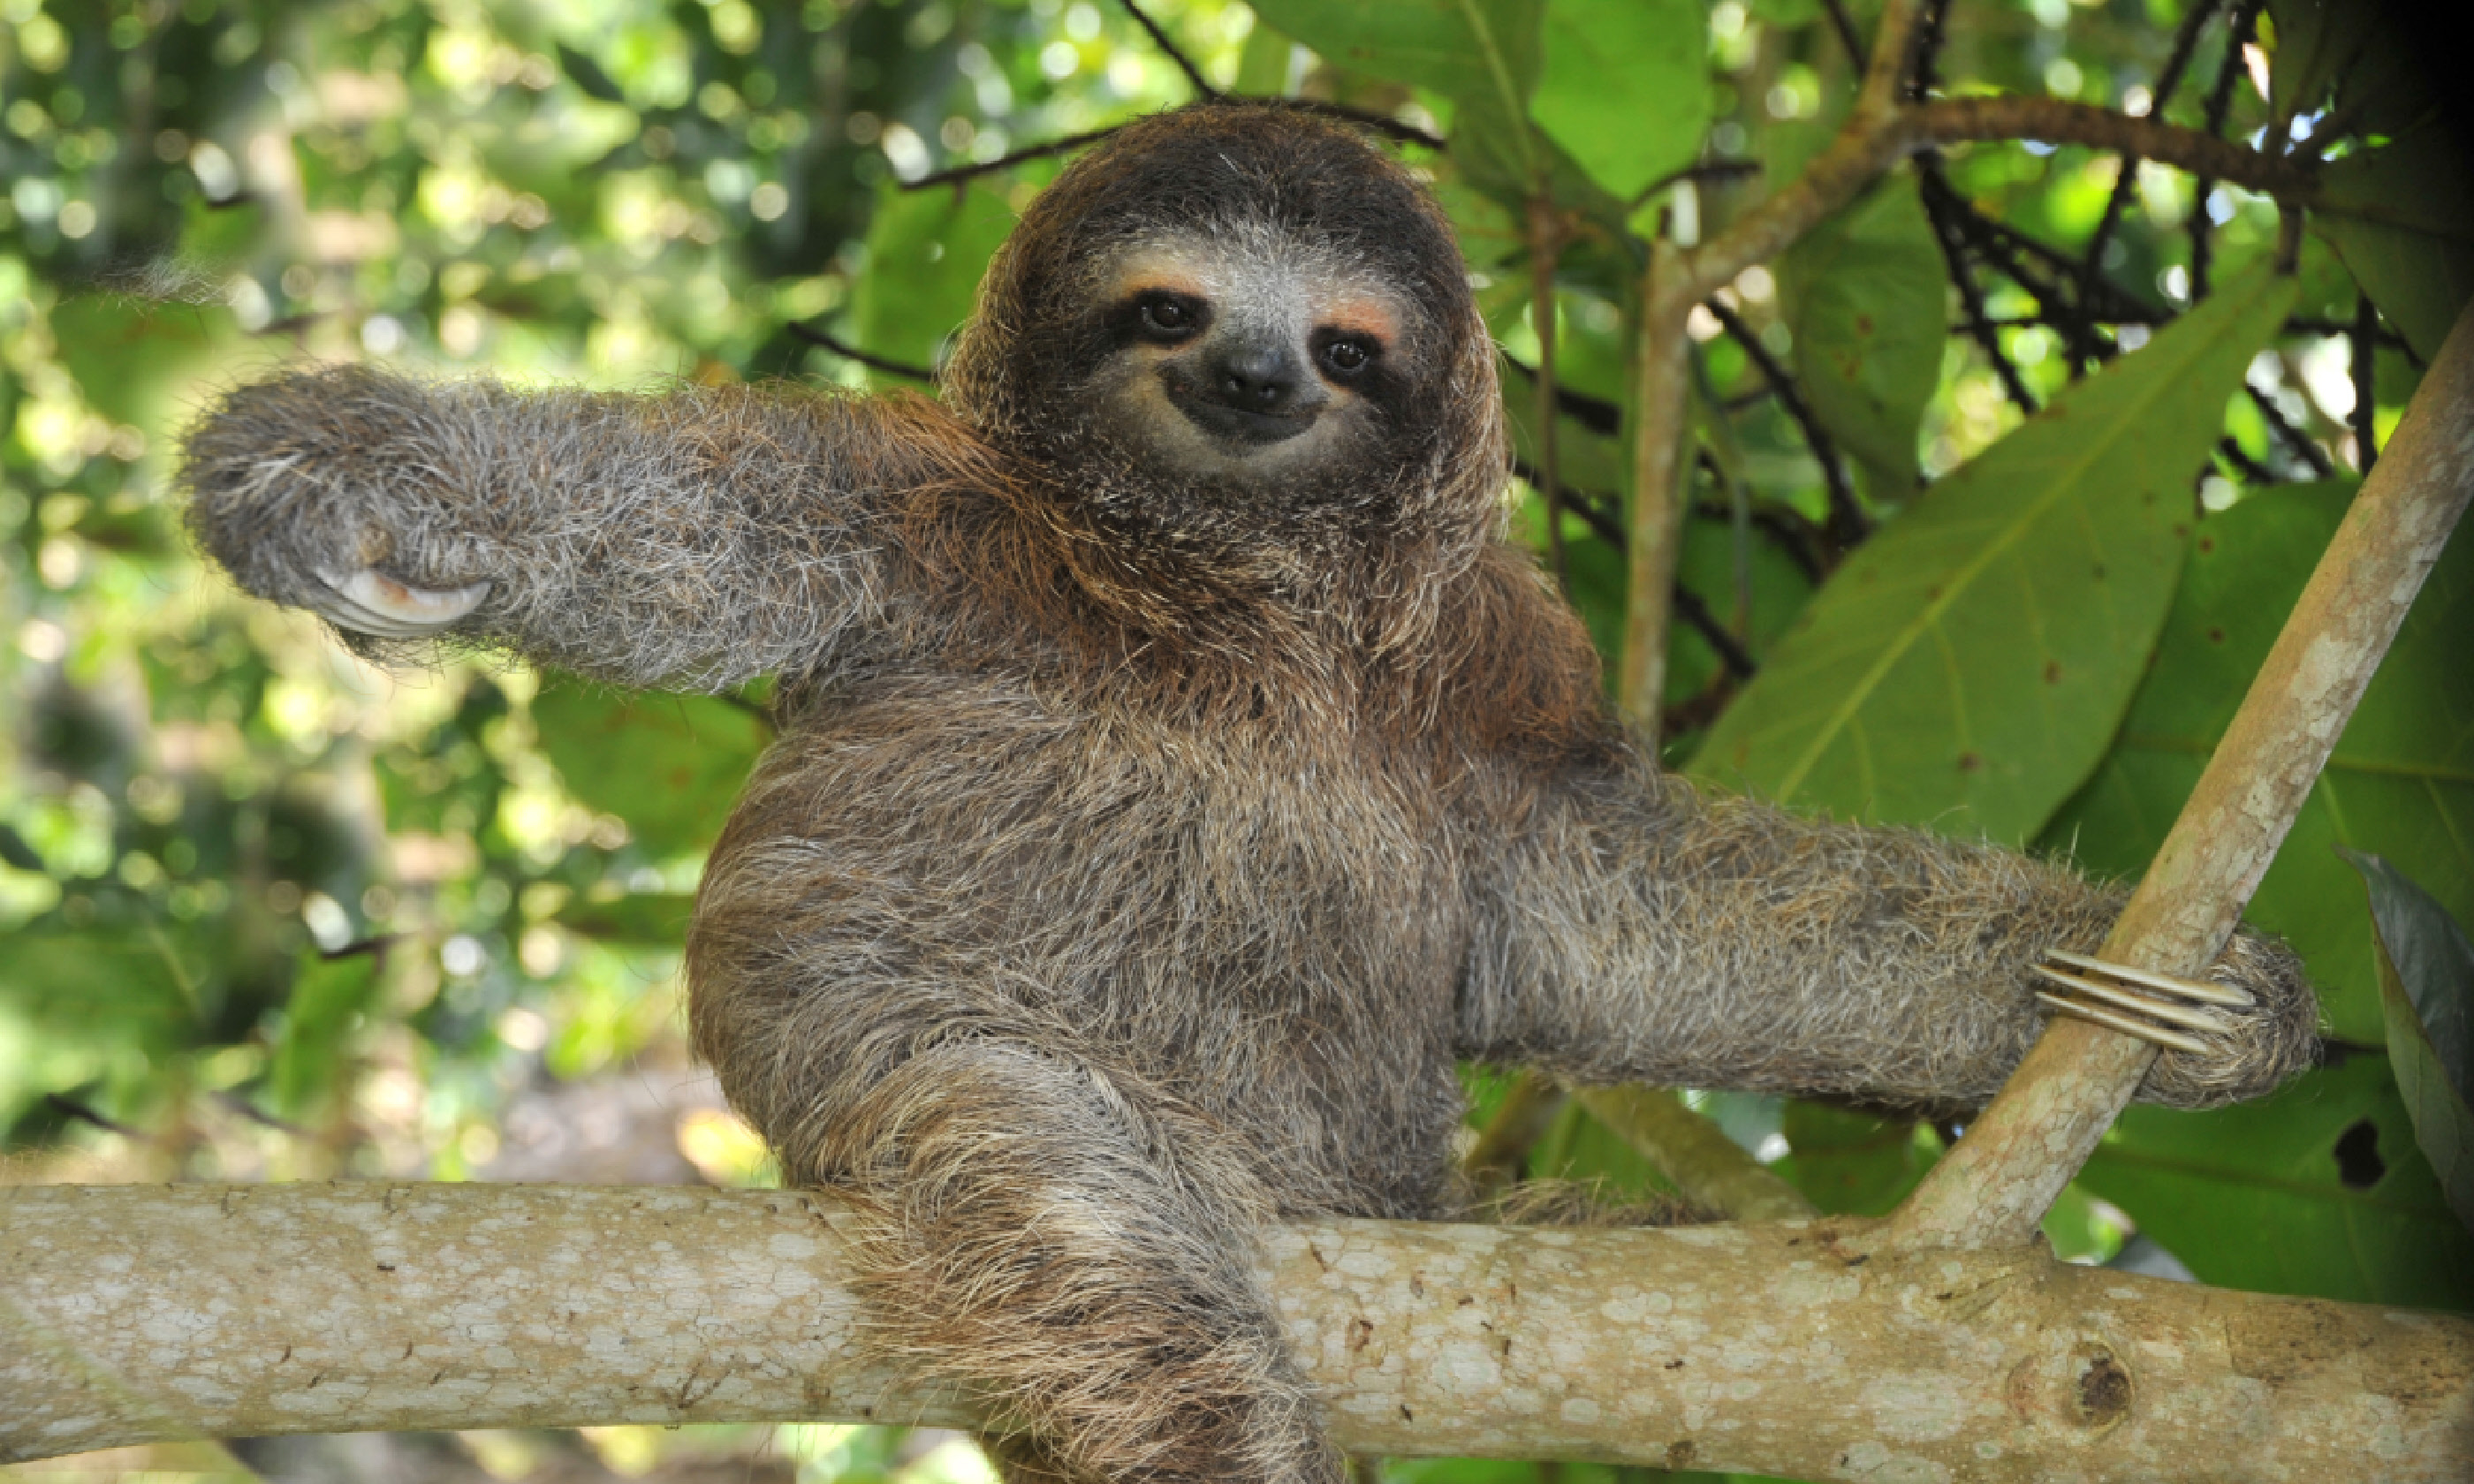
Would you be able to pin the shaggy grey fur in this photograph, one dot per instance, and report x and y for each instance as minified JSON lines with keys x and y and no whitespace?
{"x":1141,"y":847}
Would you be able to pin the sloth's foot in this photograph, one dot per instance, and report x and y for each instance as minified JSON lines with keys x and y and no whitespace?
{"x":2169,"y":1011}
{"x":370,"y":602}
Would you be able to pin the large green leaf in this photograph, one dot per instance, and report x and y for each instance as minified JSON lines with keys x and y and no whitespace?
{"x":2318,"y":1191}
{"x":2427,"y":987}
{"x":136,"y":360}
{"x":2402,"y":219}
{"x":1639,"y":61}
{"x":330,"y":997}
{"x":1968,"y":665}
{"x":927,"y":251}
{"x":1864,"y":294}
{"x":1467,"y":50}
{"x":2401,"y":780}
{"x":670,"y":766}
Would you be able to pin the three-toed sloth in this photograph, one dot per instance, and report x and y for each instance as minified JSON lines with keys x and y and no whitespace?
{"x":1179,"y":775}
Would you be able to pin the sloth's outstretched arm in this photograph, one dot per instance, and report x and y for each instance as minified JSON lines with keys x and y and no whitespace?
{"x":699,"y":537}
{"x":1634,"y":931}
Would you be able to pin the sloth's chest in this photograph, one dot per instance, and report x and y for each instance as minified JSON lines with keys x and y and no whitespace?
{"x":1271,"y":928}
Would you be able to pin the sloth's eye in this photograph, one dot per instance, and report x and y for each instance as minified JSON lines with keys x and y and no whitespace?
{"x":1169,"y":317}
{"x":1346,"y":357}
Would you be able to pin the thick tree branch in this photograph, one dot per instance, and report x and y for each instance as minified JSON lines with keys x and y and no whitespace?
{"x":141,"y":1313}
{"x":1998,"y":1183}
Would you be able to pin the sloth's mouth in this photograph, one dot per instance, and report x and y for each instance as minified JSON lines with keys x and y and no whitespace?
{"x":1237,"y":425}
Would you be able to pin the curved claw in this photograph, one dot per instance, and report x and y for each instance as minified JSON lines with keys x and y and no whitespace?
{"x":370,"y":602}
{"x":2134,"y":1001}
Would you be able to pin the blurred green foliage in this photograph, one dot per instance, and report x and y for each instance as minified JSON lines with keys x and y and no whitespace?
{"x":266,"y":912}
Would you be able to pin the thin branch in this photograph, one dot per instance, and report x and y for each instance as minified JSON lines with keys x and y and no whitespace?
{"x":1546,"y":250}
{"x":2302,"y":445}
{"x":2057,"y":121}
{"x":955,"y":174}
{"x":1924,"y":67}
{"x":1938,"y":198}
{"x":1845,"y":25}
{"x":2250,"y":469}
{"x":1704,"y":1165}
{"x":1595,"y":414}
{"x":1848,"y":522}
{"x":825,"y":341}
{"x":1381,"y":123}
{"x":350,"y":1306}
{"x":1706,"y":170}
{"x":1202,"y":87}
{"x":2220,"y":100}
{"x":1994,"y":1186}
{"x":1408,"y":133}
{"x":2365,"y":368}
{"x":1736,"y":659}
{"x":2169,"y":78}
{"x":1529,"y":1106}
{"x":1894,"y":48}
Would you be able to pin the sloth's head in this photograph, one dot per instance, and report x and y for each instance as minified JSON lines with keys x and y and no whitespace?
{"x":1238,"y":309}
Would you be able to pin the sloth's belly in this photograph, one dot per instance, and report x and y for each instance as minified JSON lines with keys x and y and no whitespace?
{"x":1264,"y":927}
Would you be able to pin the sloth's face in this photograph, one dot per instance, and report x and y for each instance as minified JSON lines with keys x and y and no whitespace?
{"x":1249,"y":360}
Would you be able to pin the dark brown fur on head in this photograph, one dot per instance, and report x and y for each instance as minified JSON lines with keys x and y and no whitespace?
{"x":1370,"y":582}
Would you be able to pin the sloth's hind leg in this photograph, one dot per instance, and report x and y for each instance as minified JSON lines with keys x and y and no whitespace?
{"x":1077,"y":1254}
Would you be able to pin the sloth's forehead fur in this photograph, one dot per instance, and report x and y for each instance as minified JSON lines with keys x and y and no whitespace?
{"x":1257,"y":276}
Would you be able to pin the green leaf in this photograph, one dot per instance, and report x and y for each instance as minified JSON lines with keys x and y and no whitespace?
{"x":1469,"y":50}
{"x":2317,"y":1190}
{"x":1639,"y":61}
{"x":587,"y":74}
{"x":2427,"y":987}
{"x":2400,"y":781}
{"x":2402,"y":220}
{"x":136,"y":359}
{"x":1863,"y":295}
{"x":329,"y":997}
{"x":670,"y":766}
{"x":1850,"y":1163}
{"x":927,"y":251}
{"x":1967,"y":667}
{"x":638,"y":919}
{"x":2381,"y":86}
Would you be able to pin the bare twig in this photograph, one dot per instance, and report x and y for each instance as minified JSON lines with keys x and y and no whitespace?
{"x":2220,"y":100}
{"x":2365,"y":368}
{"x":1848,"y":522}
{"x":1529,"y":1106}
{"x":1202,"y":84}
{"x":1545,"y":251}
{"x":954,"y":174}
{"x":1993,"y":1188}
{"x":1595,"y":414}
{"x":1951,"y":237}
{"x":1707,"y":1167}
{"x":1845,"y":25}
{"x":2299,"y":443}
{"x":2169,"y":78}
{"x":826,"y":341}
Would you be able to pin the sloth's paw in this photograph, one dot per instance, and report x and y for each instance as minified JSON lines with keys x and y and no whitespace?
{"x":2176,"y":1013}
{"x":367,"y":601}
{"x":2250,"y":1026}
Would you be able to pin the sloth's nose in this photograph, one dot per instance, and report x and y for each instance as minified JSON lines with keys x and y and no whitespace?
{"x":1256,"y":376}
